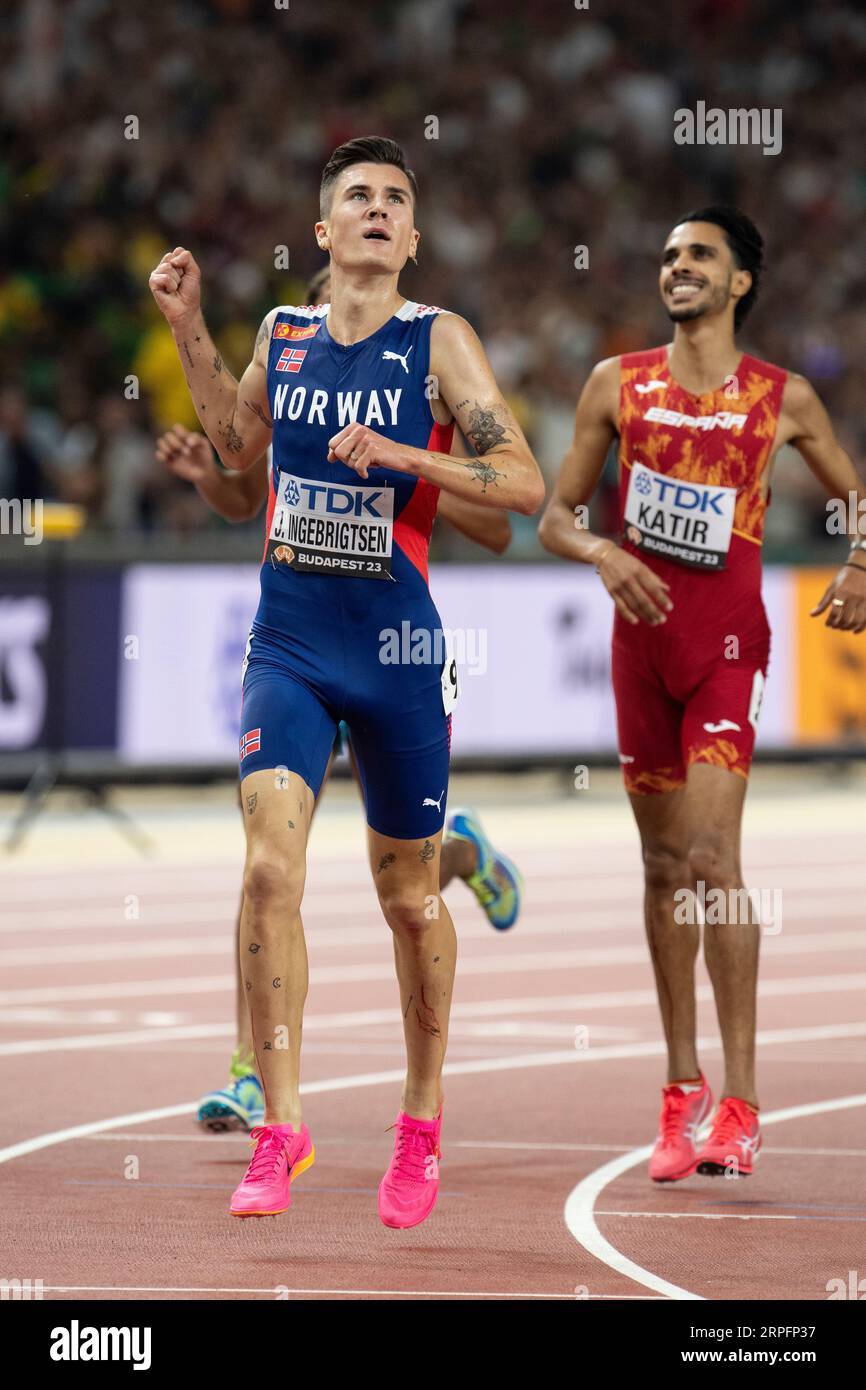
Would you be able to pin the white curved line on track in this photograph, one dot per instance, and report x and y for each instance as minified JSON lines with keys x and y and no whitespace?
{"x":580,"y":1206}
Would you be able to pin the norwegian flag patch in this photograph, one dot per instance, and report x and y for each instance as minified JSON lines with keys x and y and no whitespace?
{"x":290,"y":359}
{"x":251,"y":742}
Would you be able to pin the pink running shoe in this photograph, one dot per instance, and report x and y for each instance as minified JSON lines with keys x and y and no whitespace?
{"x":734,"y":1141}
{"x":407,"y":1193}
{"x":280,"y":1156}
{"x":685,"y":1106}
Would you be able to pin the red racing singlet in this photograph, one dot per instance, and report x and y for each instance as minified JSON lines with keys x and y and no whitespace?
{"x":691,"y":500}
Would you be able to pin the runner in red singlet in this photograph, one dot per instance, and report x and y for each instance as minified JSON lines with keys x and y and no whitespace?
{"x":699,"y":424}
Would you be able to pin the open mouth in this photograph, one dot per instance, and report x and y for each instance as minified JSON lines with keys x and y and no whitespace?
{"x":684,"y":290}
{"x":376,"y":234}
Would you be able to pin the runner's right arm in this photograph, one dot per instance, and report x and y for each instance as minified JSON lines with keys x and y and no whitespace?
{"x":234,"y":415}
{"x":235,"y":496}
{"x":636,"y":590}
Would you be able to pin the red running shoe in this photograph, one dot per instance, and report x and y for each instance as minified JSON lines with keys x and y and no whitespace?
{"x":685,"y":1107}
{"x":734,"y":1141}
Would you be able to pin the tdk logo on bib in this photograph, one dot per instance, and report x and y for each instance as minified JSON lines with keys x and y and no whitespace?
{"x":339,"y":501}
{"x":332,"y":529}
{"x":684,"y":521}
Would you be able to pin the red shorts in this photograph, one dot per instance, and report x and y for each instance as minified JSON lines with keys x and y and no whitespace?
{"x":684,"y":698}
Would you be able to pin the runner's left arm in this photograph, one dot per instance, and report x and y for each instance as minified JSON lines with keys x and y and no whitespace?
{"x":806,"y":425}
{"x":503,"y":473}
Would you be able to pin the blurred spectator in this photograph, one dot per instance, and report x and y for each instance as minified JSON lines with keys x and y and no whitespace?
{"x":533,"y":129}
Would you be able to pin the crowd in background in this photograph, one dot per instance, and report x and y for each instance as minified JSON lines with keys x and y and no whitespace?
{"x":554,"y":128}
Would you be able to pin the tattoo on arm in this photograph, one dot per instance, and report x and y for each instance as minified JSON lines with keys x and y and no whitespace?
{"x":188,"y":353}
{"x":485,"y":431}
{"x":263,"y":335}
{"x":257,"y":410}
{"x":218,"y":366}
{"x":234,"y":442}
{"x":484,"y":472}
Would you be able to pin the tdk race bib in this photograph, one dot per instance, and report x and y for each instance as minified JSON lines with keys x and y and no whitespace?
{"x":685,"y":521}
{"x":332,"y":528}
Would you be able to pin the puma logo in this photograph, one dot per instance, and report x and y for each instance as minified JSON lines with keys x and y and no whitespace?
{"x":389,"y":356}
{"x":428,"y":801}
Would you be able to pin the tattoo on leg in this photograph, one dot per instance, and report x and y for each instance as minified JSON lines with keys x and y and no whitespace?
{"x":268,"y":1047}
{"x":427,"y":852}
{"x":385,"y":862}
{"x":430,"y":1023}
{"x":277,"y":982}
{"x":252,"y":802}
{"x":254,"y":948}
{"x":435,"y":959}
{"x":291,"y":825}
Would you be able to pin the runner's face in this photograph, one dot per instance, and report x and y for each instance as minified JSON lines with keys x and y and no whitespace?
{"x":371,"y":225}
{"x":697,"y":272}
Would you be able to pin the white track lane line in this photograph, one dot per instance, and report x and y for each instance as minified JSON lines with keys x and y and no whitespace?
{"x":822,"y":1032}
{"x":484,"y":963}
{"x":580,"y":1207}
{"x":525,"y":1004}
{"x":281,"y":1289}
{"x":469,"y":1068}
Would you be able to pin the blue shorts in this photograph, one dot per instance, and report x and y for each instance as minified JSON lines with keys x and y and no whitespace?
{"x":329,"y":662}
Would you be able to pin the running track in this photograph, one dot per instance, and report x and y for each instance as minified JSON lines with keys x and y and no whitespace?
{"x":112,"y":1024}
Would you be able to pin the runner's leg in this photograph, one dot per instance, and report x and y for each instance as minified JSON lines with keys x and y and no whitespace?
{"x":661,"y":820}
{"x":406,"y":876}
{"x":278,"y":807}
{"x":714,"y":801}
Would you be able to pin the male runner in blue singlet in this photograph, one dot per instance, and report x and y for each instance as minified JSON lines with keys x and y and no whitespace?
{"x":466,"y":851}
{"x":358,"y":399}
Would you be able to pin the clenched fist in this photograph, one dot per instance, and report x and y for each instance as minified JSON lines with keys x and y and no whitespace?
{"x":176,"y":285}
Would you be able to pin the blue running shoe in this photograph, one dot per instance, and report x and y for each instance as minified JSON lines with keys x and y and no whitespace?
{"x":496,"y":883}
{"x":241,"y":1105}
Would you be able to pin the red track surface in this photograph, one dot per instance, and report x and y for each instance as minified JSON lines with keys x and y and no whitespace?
{"x":528,"y":1115}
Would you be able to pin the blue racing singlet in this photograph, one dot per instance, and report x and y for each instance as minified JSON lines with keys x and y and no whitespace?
{"x":346,"y":626}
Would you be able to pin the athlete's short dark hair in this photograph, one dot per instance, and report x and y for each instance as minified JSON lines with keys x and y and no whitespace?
{"x":314,"y":285}
{"x":367,"y":149}
{"x":746,"y":245}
